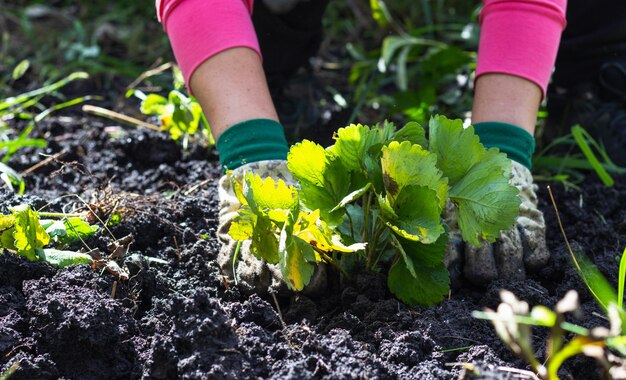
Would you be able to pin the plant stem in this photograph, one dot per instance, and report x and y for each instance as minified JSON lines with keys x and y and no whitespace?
{"x":61,"y":215}
{"x":380,"y":228}
{"x":382,"y":251}
{"x":235,"y":256}
{"x":332,"y":262}
{"x":366,"y":217}
{"x":352,"y":227}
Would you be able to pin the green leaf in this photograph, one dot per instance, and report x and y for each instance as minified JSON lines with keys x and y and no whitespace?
{"x":416,"y":214}
{"x":353,"y":223}
{"x":297,"y":259}
{"x":408,"y":262}
{"x":573,"y":347}
{"x":597,"y":284}
{"x":392,"y":44}
{"x":7,"y":240}
{"x":429,"y":255}
{"x":264,"y":240}
{"x":20,"y":69}
{"x":243,"y":224}
{"x":380,"y":13}
{"x":457,"y":149}
{"x":356,"y":194}
{"x":22,"y":142}
{"x":267,"y":205}
{"x":154,"y":104}
{"x":355,"y":142}
{"x":27,"y":96}
{"x":317,"y":233}
{"x":402,"y":78}
{"x":444,"y":60}
{"x":268,"y":197}
{"x":185,"y":116}
{"x":485,"y":202}
{"x":323,"y":179}
{"x":429,"y":286}
{"x":412,"y":132}
{"x":260,"y":229}
{"x":29,"y":235}
{"x":6,"y":221}
{"x":617,"y":343}
{"x":77,"y":227}
{"x":7,"y":227}
{"x":69,"y":230}
{"x":308,"y":162}
{"x":581,"y":137}
{"x":62,"y":259}
{"x":406,"y":164}
{"x":543,"y":316}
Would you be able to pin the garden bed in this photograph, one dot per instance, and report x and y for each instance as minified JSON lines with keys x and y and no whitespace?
{"x":183,"y":320}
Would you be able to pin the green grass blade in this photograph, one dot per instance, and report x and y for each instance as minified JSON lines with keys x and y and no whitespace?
{"x":63,"y":105}
{"x":581,"y":136}
{"x":463,"y":348}
{"x":558,"y":162}
{"x":14,"y":367}
{"x":597,"y":284}
{"x":12,"y":101}
{"x":14,"y":145}
{"x":620,"y":280}
{"x":574,"y":347}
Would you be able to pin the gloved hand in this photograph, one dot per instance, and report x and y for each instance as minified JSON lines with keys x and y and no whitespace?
{"x":521,"y":248}
{"x":254,"y":275}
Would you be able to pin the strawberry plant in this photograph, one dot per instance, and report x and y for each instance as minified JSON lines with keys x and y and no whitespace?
{"x":179,"y":114}
{"x":375,"y":200}
{"x":25,"y":234}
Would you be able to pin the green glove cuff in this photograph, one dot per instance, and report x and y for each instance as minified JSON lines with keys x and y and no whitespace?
{"x":516,"y":142}
{"x":252,"y":141}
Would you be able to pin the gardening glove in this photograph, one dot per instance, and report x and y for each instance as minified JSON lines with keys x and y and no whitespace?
{"x":521,"y":248}
{"x":254,"y":275}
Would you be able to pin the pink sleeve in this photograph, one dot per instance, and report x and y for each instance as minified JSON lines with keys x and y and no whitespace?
{"x":521,"y":38}
{"x":199,"y":29}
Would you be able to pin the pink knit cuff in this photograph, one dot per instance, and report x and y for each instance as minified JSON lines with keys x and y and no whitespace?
{"x":199,"y":29}
{"x":521,"y":38}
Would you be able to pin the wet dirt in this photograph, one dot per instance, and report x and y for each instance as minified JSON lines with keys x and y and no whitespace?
{"x":182,"y":320}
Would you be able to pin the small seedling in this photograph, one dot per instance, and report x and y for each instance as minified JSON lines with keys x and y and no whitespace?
{"x":179,"y":114}
{"x":514,"y":318}
{"x":25,"y":234}
{"x":376,"y":197}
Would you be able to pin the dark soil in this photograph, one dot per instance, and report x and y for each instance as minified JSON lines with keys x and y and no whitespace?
{"x":182,"y":320}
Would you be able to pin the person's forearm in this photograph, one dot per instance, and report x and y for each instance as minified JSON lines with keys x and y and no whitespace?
{"x":231,"y":88}
{"x":216,"y":47}
{"x":518,"y":45}
{"x":200,"y":29}
{"x":507,"y":99}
